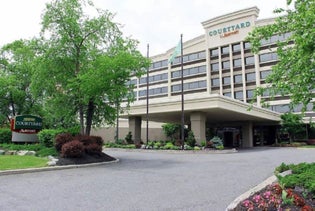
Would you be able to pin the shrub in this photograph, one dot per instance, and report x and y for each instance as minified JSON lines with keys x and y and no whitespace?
{"x":72,"y":149}
{"x":62,"y":139}
{"x":120,"y":142}
{"x":46,"y":137}
{"x":217,"y":142}
{"x":302,"y":176}
{"x":87,"y":140}
{"x":128,"y":138}
{"x":191,"y":141}
{"x":93,"y":149}
{"x":5,"y":135}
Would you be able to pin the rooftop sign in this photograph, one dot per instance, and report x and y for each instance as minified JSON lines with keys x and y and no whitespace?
{"x":229,"y":30}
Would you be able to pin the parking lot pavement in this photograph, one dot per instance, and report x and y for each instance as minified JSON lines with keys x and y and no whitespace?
{"x":148,"y":181}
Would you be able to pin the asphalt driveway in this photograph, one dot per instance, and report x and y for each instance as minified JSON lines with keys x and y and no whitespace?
{"x":148,"y":181}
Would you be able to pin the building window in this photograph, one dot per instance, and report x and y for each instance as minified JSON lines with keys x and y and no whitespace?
{"x":281,"y":108}
{"x":250,"y":77}
{"x":189,"y":86}
{"x":236,"y":47}
{"x":159,"y":64}
{"x":247,"y":45}
{"x":268,"y":57}
{"x":189,"y":71}
{"x":227,"y":80}
{"x":154,"y":78}
{"x":238,"y":79}
{"x":249,"y":60}
{"x":225,"y":50}
{"x":214,"y":52}
{"x":250,"y":93}
{"x":264,"y":74}
{"x":215,"y":67}
{"x":226,"y":65}
{"x":131,"y":82}
{"x":237,"y":62}
{"x":227,"y":94}
{"x":155,"y":91}
{"x":238,"y":95}
{"x":215,"y":82}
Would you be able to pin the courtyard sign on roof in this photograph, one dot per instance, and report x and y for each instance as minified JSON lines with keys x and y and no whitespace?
{"x":229,"y":30}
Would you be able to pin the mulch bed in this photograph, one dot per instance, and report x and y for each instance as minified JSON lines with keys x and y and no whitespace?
{"x":85,"y":159}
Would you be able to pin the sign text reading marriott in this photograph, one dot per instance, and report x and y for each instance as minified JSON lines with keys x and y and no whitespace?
{"x":228,"y":29}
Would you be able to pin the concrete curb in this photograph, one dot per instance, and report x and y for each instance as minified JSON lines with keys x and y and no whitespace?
{"x":174,"y":151}
{"x":33,"y":170}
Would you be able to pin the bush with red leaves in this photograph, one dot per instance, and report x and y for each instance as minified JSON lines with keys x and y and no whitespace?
{"x":72,"y":149}
{"x":87,"y":140}
{"x":61,"y":139}
{"x":93,"y":149}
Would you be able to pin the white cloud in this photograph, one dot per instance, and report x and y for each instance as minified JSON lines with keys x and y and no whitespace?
{"x":157,"y":22}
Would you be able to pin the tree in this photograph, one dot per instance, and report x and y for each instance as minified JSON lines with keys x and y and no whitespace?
{"x":292,"y":124}
{"x":86,"y":61}
{"x":294,"y":74}
{"x":16,"y":68}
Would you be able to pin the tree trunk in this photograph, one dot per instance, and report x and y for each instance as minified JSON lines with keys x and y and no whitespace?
{"x":81,"y":114}
{"x":89,"y":117}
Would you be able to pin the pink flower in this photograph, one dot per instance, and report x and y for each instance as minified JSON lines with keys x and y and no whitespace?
{"x":267,"y":194}
{"x":257,"y":198}
{"x":246,"y":203}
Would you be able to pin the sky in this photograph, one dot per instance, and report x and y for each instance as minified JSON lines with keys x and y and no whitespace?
{"x":158,"y":23}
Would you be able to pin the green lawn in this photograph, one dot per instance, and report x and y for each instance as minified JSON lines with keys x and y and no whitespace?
{"x":9,"y":162}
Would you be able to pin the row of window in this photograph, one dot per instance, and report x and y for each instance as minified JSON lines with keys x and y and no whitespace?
{"x":250,"y":77}
{"x":239,"y":94}
{"x":190,"y":86}
{"x":250,"y":60}
{"x":286,"y":108}
{"x":190,"y":71}
{"x":226,"y":49}
{"x":190,"y":57}
{"x":159,"y":64}
{"x":154,"y":78}
{"x":154,"y":91}
{"x":275,"y":38}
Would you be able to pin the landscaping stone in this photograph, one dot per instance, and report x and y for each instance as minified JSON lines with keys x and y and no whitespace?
{"x":32,"y":153}
{"x":10,"y":152}
{"x":2,"y":152}
{"x":22,"y":152}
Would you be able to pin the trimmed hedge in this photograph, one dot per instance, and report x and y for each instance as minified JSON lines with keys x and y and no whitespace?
{"x":5,"y":135}
{"x":72,"y":149}
{"x":70,"y":146}
{"x":47,"y":136}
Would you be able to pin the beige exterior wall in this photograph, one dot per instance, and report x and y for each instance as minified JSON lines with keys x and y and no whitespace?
{"x":108,"y":133}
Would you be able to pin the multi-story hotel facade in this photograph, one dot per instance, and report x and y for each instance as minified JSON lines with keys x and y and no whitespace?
{"x":220,"y":74}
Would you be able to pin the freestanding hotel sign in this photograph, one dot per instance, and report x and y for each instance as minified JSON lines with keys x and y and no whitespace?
{"x":25,"y":128}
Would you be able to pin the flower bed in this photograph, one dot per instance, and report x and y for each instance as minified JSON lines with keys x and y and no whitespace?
{"x":295,"y":191}
{"x":274,"y":197}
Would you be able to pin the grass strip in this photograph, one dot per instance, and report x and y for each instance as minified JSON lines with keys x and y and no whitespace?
{"x":10,"y":162}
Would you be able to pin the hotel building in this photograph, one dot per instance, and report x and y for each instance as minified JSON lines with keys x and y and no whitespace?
{"x":220,"y":76}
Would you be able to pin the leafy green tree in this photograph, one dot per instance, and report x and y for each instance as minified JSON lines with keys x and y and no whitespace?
{"x":85,"y":63}
{"x":16,"y":68}
{"x":292,"y":124}
{"x":294,"y":74}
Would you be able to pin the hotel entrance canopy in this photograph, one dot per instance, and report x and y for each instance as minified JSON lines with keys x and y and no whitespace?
{"x":216,"y":108}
